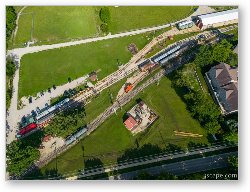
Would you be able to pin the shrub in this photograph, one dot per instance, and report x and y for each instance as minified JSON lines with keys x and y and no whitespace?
{"x":104,"y":15}
{"x":105,"y":28}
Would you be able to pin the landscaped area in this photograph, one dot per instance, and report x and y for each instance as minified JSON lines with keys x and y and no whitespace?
{"x":112,"y":138}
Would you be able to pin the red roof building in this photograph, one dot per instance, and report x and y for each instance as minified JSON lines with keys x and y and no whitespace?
{"x":130,"y":123}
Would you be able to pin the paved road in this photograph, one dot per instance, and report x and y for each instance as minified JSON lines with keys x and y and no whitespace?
{"x":183,"y":167}
{"x":154,"y":159}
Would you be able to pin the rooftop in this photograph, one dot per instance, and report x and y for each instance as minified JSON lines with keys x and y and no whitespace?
{"x":130,"y":123}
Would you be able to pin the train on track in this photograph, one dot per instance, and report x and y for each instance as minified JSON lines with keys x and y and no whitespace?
{"x":32,"y":123}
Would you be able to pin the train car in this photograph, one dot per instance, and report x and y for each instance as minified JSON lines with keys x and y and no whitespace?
{"x":80,"y":133}
{"x":51,"y":109}
{"x":163,"y":61}
{"x":70,"y":139}
{"x":166,"y":53}
{"x":26,"y":130}
{"x":185,"y":24}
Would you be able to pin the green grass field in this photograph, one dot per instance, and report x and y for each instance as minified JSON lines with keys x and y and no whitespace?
{"x":124,"y":18}
{"x":55,"y":24}
{"x":41,"y":70}
{"x":111,"y":139}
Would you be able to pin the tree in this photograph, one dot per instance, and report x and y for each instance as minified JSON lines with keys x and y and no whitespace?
{"x":212,"y":127}
{"x":204,"y":56}
{"x":222,"y":51}
{"x":104,"y":15}
{"x":20,"y":157}
{"x":232,"y":125}
{"x":10,"y":67}
{"x":231,"y":137}
{"x":233,"y":59}
{"x":66,"y":122}
{"x":233,"y":162}
{"x":10,"y":21}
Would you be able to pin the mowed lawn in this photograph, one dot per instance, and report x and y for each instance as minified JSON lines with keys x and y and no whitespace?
{"x":112,"y":138}
{"x":54,"y":24}
{"x":42,"y":70}
{"x":124,"y":18}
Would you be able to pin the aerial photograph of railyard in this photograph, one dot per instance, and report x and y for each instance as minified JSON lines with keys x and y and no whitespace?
{"x":121,"y":92}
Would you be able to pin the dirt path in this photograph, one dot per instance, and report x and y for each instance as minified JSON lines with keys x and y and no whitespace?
{"x":17,"y":20}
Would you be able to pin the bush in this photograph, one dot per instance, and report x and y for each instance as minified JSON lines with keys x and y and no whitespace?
{"x":104,"y":15}
{"x":105,"y":28}
{"x":10,"y":67}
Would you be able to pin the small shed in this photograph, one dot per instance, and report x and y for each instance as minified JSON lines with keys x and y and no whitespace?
{"x":93,"y":76}
{"x":130,"y":123}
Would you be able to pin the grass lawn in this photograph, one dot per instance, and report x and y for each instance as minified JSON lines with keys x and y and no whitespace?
{"x":125,"y":18}
{"x":41,"y":70}
{"x":53,"y":24}
{"x":111,"y":139}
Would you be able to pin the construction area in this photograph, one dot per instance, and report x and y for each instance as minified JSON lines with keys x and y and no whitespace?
{"x":139,"y":118}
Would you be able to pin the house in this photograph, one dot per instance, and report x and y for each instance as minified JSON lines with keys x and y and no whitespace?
{"x":130,"y":123}
{"x":217,"y":18}
{"x":223,"y":80}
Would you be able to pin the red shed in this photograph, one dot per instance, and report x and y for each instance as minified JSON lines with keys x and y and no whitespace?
{"x":130,"y":123}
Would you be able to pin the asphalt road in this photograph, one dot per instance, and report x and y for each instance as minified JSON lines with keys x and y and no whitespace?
{"x":183,"y":167}
{"x":158,"y":158}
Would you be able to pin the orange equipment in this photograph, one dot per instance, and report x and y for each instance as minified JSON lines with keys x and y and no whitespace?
{"x":128,"y":87}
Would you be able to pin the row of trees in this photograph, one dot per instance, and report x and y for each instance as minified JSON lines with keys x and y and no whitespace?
{"x":220,"y":52}
{"x":10,"y":71}
{"x":230,"y":127}
{"x":10,"y":22}
{"x":200,"y":105}
{"x":105,"y":17}
{"x":211,"y":55}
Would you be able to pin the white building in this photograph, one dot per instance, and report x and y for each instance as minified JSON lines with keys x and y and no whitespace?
{"x":218,"y":18}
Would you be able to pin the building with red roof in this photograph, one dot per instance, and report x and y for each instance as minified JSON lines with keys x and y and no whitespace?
{"x":130,"y":123}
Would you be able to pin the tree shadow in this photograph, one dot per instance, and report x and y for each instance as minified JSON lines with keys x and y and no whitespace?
{"x":92,"y":165}
{"x":145,"y":150}
{"x":33,"y":140}
{"x":193,"y":145}
{"x":49,"y":174}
